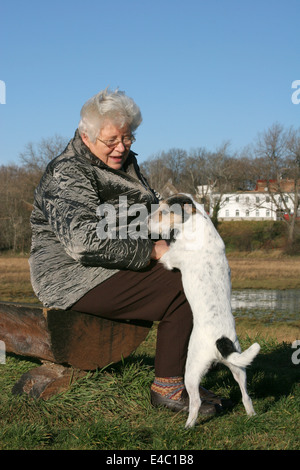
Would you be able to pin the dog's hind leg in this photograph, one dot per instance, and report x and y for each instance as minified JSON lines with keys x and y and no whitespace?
{"x":241,"y":377}
{"x":195,"y":370}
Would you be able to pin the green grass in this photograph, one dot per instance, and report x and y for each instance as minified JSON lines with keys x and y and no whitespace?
{"x":110,"y":409}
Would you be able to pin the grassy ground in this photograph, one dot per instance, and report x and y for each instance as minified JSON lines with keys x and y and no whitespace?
{"x":110,"y":409}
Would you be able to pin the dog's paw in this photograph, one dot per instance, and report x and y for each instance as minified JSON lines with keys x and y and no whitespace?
{"x":166,"y":262}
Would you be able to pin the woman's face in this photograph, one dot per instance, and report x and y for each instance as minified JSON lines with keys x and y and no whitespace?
{"x":118,"y":139}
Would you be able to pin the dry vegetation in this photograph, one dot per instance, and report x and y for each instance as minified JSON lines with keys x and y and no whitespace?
{"x":15,"y":280}
{"x":270,"y":270}
{"x":253,"y":270}
{"x":283,"y":332}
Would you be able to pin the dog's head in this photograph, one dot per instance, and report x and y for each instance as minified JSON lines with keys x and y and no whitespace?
{"x":171,"y":214}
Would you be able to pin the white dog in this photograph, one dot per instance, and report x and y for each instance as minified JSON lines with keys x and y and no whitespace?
{"x":199,"y":253}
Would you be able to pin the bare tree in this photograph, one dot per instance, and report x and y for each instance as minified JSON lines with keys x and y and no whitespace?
{"x":278,"y":159}
{"x":14,"y":210}
{"x":293,"y":164}
{"x":36,"y":156}
{"x":156,"y":172}
{"x":164,"y":167}
{"x":194,"y":172}
{"x":220,"y":175}
{"x":17,"y":184}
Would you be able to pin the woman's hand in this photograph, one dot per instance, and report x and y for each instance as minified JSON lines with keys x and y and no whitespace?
{"x":160,"y":248}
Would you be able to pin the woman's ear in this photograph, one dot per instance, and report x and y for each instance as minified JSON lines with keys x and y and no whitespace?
{"x":85,"y":139}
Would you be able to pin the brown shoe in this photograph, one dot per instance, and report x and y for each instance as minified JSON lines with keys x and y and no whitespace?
{"x":206,"y":408}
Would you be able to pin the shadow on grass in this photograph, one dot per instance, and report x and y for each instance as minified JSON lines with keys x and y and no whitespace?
{"x":271,"y":375}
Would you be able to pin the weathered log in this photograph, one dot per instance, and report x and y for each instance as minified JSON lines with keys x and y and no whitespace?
{"x":65,"y":337}
{"x":23,"y":328}
{"x":68,"y":337}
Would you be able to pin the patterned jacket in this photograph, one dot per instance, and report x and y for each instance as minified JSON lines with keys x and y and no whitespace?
{"x":68,"y":258}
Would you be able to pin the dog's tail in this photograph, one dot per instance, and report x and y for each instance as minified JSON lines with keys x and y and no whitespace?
{"x":226,"y":347}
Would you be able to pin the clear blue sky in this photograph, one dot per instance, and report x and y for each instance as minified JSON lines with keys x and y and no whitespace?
{"x":202,"y":71}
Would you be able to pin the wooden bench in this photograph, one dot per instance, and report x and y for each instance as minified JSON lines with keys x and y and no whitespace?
{"x":68,"y":343}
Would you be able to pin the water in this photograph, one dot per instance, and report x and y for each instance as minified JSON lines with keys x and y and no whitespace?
{"x":277,"y":304}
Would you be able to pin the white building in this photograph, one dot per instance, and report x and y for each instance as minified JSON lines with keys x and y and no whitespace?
{"x":259,"y":204}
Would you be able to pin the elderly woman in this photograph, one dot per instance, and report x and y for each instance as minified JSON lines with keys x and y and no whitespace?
{"x":113,"y":277}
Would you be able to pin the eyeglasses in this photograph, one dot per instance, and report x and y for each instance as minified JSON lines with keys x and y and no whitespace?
{"x":113,"y":143}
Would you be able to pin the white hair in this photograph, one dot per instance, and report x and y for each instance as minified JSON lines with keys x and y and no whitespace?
{"x":107,"y":105}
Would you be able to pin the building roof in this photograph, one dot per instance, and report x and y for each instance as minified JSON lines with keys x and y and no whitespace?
{"x":275,"y":186}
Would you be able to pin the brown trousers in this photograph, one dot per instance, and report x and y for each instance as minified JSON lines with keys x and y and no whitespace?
{"x":153,"y":294}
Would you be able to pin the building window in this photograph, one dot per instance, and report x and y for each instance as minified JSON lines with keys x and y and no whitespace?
{"x":267,"y":213}
{"x":247,"y":200}
{"x":256,"y":213}
{"x":237,"y":199}
{"x":237,"y":213}
{"x":227,"y":199}
{"x":247,"y":213}
{"x":268,"y":199}
{"x":227,"y":213}
{"x":257,"y":199}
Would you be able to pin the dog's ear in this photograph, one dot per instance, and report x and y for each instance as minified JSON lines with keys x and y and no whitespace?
{"x":178,"y":199}
{"x":184,"y":201}
{"x":188,"y":204}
